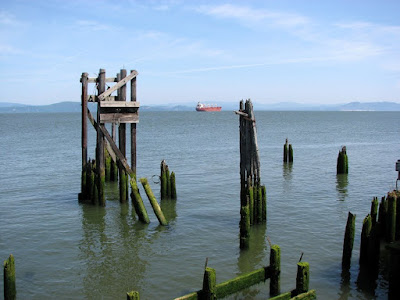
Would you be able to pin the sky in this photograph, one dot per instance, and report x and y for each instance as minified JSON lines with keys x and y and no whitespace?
{"x":303,"y":51}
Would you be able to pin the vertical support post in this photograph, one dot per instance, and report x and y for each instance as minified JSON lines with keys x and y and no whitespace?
{"x":209,"y":284}
{"x":123,"y":193}
{"x":290,"y":153}
{"x":275,"y":267}
{"x":365,"y":232}
{"x":10,"y":291}
{"x":382,"y":217}
{"x":391,"y":217}
{"x":173,"y":186}
{"x":100,"y":162}
{"x":84,"y":80}
{"x":303,"y":277}
{"x":133,"y":127}
{"x":244,"y":225}
{"x":374,"y":210}
{"x":285,"y":151}
{"x":348,"y":241}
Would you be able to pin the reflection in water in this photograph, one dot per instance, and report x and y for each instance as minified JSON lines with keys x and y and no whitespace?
{"x":341,"y":186}
{"x":287,"y":170}
{"x":345,"y":285}
{"x":110,"y":247}
{"x":253,"y":258}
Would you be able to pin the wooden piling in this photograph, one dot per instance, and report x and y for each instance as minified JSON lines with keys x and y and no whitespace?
{"x":342,"y":162}
{"x":121,"y":96}
{"x":374,"y":210}
{"x":303,"y":277}
{"x":382,"y":217}
{"x":108,"y":160}
{"x":10,"y":291}
{"x":391,"y":217}
{"x":173,"y":186}
{"x":134,"y":295}
{"x":275,"y":270}
{"x":153,"y":202}
{"x":209,"y":284}
{"x":138,"y":203}
{"x":84,"y":81}
{"x":100,"y":144}
{"x":133,"y":127}
{"x":290,"y":153}
{"x":365,"y":232}
{"x":348,"y":241}
{"x":244,"y":227}
{"x":264,"y":203}
{"x":285,"y":151}
{"x":164,"y":180}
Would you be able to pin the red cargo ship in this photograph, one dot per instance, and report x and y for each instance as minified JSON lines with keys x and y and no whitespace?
{"x":207,"y":107}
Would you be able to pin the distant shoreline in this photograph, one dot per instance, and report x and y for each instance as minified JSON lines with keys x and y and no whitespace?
{"x":7,"y":107}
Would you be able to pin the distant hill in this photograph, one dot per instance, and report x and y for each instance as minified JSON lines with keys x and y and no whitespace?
{"x":8,"y":107}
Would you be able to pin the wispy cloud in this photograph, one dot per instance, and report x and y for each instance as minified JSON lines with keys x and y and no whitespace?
{"x":90,"y":25}
{"x":7,"y":18}
{"x":249,"y":15}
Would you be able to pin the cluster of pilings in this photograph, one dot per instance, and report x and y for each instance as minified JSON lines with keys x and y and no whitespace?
{"x":287,"y":152}
{"x":167,"y":180}
{"x":380,"y":226}
{"x":253,"y":196}
{"x":212,"y":290}
{"x":111,"y":163}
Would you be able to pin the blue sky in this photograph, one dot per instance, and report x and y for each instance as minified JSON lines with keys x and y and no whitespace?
{"x":303,"y":51}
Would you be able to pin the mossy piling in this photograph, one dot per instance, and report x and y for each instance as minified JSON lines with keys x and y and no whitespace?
{"x":252,"y":193}
{"x":134,"y":295}
{"x":303,"y":277}
{"x":342,"y":166}
{"x":209,"y":284}
{"x":153,"y":201}
{"x":138,"y":203}
{"x":10,"y":291}
{"x":275,"y":270}
{"x":287,"y":152}
{"x":391,"y":217}
{"x":167,"y":180}
{"x":365,"y":232}
{"x":348,"y":241}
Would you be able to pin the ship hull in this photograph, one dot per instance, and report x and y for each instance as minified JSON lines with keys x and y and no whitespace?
{"x":208,"y":108}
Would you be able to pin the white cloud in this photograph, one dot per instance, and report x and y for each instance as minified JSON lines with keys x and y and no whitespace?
{"x":92,"y":25}
{"x":249,"y":15}
{"x":7,"y":18}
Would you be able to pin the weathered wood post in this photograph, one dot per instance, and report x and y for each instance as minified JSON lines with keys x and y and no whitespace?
{"x":252,"y":194}
{"x":209,"y":284}
{"x":290,"y":153}
{"x":133,"y":127}
{"x":342,"y":166}
{"x":164,"y":180}
{"x":114,"y":164}
{"x":173,"y":186}
{"x":244,"y":226}
{"x":100,"y":143}
{"x":303,"y":277}
{"x":382,"y":217}
{"x":153,"y":202}
{"x":365,"y":232}
{"x":391,"y":217}
{"x":10,"y":291}
{"x":285,"y":151}
{"x":374,"y":210}
{"x":275,"y":267}
{"x":138,"y":203}
{"x":123,"y":179}
{"x":84,"y":81}
{"x":134,"y":295}
{"x":348,"y":241}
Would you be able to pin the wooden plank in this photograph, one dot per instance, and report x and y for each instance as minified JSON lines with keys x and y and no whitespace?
{"x":122,"y":118}
{"x":118,"y":104}
{"x":109,"y":79}
{"x":117,"y":85}
{"x":93,"y":98}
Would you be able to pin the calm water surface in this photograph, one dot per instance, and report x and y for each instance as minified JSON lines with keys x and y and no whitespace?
{"x":69,"y":250}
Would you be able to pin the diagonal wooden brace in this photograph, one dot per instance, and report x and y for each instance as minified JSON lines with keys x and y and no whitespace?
{"x":108,"y":92}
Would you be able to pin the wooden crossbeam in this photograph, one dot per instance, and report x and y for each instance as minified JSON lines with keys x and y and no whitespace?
{"x":119,"y":84}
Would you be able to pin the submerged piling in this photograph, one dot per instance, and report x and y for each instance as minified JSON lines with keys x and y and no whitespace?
{"x":209,"y":284}
{"x":342,"y":166}
{"x":275,"y":268}
{"x":391,"y":217}
{"x":287,"y":152}
{"x":365,"y":232}
{"x":134,"y":295}
{"x":138,"y":203}
{"x":348,"y":241}
{"x":153,"y":202}
{"x":168,"y":188}
{"x":303,"y":277}
{"x":10,"y":291}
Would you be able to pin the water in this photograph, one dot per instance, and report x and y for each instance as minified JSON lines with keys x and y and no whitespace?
{"x":69,"y":250}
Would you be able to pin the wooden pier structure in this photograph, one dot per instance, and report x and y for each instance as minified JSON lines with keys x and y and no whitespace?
{"x":119,"y":112}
